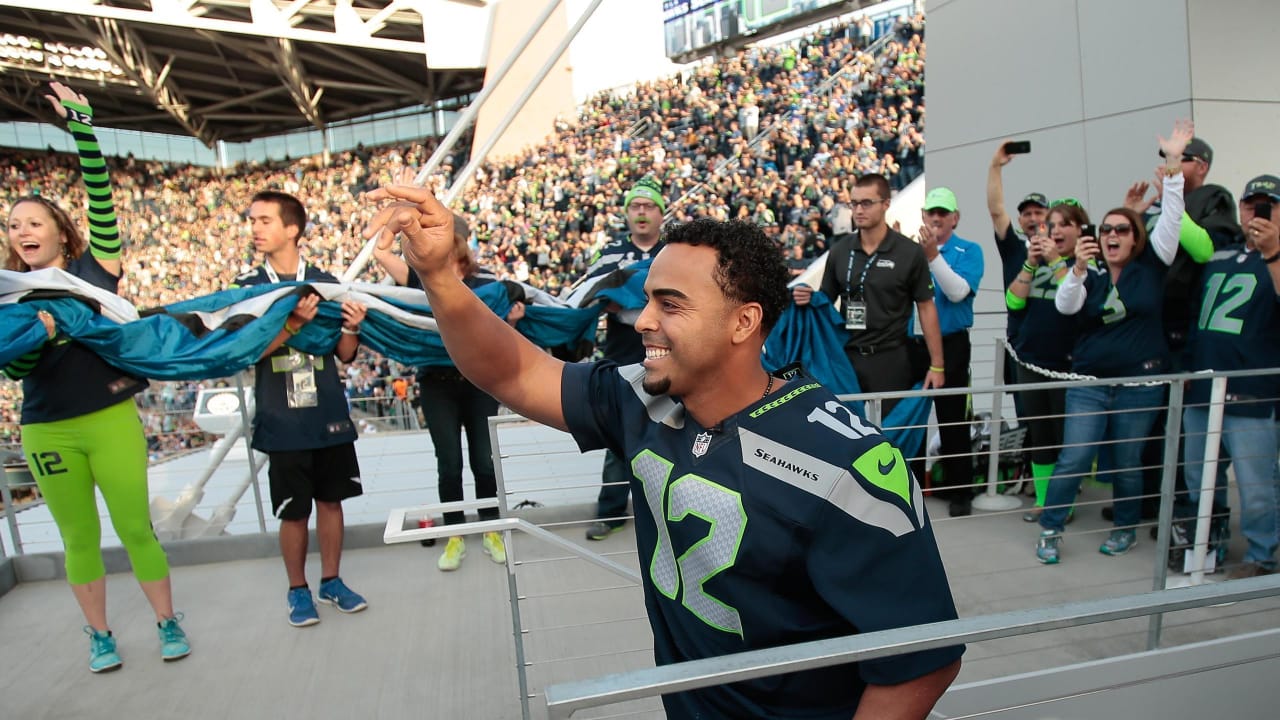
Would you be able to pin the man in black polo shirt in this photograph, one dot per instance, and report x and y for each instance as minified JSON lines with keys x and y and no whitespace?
{"x":877,"y":273}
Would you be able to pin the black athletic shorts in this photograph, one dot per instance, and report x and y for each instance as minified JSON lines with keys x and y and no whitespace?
{"x":330,"y":474}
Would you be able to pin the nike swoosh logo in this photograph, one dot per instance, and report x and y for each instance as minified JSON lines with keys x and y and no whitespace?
{"x":886,"y":468}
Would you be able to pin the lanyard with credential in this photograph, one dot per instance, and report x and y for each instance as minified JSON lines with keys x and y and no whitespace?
{"x":273,"y":277}
{"x":862,"y":281}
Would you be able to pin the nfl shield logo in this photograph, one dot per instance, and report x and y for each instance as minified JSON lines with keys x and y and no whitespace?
{"x":701,"y":443}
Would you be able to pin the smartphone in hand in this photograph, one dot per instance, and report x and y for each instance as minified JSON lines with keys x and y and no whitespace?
{"x":1017,"y":147}
{"x":1262,"y":209}
{"x":1088,"y":230}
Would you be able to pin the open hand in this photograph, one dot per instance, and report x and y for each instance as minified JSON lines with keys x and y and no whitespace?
{"x":1136,"y":197}
{"x":62,"y":92}
{"x":1172,"y":147}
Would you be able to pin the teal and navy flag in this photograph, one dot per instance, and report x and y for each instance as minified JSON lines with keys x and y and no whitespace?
{"x":220,"y":334}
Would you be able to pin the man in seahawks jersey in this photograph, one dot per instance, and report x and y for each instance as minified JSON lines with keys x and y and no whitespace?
{"x":1238,"y":328}
{"x":770,"y":513}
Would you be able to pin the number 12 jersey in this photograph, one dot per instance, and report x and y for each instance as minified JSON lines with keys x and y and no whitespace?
{"x":794,"y":520}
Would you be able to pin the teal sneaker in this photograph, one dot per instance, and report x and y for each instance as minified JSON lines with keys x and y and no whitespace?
{"x":1047,"y":548}
{"x":1119,"y":542}
{"x":173,"y":641}
{"x":302,"y":609}
{"x":336,"y":593}
{"x":102,"y":651}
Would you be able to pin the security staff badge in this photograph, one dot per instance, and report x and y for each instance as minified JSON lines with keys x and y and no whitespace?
{"x":701,"y":443}
{"x":300,"y":377}
{"x":855,"y":315}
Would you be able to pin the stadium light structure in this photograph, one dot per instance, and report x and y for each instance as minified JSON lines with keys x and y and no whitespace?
{"x":22,"y":52}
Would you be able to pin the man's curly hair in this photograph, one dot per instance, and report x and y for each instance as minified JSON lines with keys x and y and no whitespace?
{"x":749,"y":267}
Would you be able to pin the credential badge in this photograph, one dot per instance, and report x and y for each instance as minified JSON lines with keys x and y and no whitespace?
{"x":701,"y":443}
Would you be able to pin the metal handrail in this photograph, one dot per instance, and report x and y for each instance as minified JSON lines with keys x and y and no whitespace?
{"x":567,"y":698}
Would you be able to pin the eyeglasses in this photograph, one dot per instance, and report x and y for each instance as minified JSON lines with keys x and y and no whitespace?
{"x":1121,"y":229}
{"x":865,"y":204}
{"x":1065,"y":201}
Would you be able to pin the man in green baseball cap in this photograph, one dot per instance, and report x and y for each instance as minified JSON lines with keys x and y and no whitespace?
{"x":644,"y":206}
{"x":956,"y":266}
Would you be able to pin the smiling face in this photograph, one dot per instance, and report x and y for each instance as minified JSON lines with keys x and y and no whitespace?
{"x":35,"y":238}
{"x":1117,"y":238}
{"x":685,"y":325}
{"x":1064,"y":233}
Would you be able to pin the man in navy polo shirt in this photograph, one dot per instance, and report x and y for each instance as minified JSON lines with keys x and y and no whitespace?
{"x":770,"y":515}
{"x":1238,"y":328}
{"x":956,"y":266}
{"x":301,"y":420}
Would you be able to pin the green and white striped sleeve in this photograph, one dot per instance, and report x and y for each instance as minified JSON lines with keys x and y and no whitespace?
{"x":104,"y":231}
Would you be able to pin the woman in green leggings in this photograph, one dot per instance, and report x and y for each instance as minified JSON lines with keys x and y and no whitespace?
{"x":80,"y":428}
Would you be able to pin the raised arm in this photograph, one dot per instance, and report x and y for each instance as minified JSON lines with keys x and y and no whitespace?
{"x":1168,"y":230}
{"x":104,"y":231}
{"x":488,"y":351}
{"x":1000,"y":221}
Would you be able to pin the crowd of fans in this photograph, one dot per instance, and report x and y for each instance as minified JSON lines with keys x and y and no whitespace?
{"x":775,"y":134}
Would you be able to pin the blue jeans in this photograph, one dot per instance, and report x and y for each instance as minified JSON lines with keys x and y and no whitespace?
{"x":1250,"y":445}
{"x":1119,"y":416}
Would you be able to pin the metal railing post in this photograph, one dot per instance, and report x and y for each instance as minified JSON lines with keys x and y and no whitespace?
{"x":1208,"y":476}
{"x":992,"y":499}
{"x":513,"y":588}
{"x":1168,"y":476}
{"x":247,"y":432}
{"x":12,"y":517}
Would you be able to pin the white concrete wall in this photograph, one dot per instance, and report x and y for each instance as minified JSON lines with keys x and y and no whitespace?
{"x":1091,"y":83}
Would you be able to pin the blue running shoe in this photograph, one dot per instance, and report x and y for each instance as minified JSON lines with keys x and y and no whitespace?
{"x":173,"y":641}
{"x":302,"y":609}
{"x":102,"y":651}
{"x":1119,"y":542}
{"x":1047,"y":548}
{"x":336,"y":593}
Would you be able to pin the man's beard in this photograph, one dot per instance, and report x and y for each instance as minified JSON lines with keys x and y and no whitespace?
{"x":656,"y":387}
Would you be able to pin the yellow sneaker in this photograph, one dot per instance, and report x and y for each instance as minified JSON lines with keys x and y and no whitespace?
{"x":454,"y":551}
{"x":494,"y":546}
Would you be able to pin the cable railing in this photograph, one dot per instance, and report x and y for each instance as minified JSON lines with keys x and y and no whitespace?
{"x":607,"y":615}
{"x":543,"y":465}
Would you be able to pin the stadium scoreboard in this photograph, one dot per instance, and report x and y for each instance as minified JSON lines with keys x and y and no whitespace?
{"x":692,"y":26}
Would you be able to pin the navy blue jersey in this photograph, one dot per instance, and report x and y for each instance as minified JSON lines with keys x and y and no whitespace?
{"x":791,"y":521}
{"x":1122,"y":324}
{"x":70,"y":380}
{"x":1045,"y":337}
{"x":1238,"y":328}
{"x":299,"y":397}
